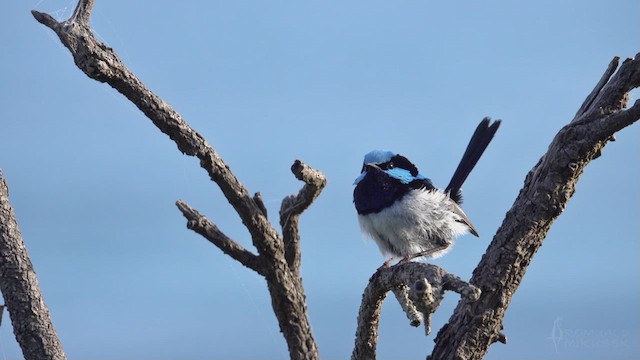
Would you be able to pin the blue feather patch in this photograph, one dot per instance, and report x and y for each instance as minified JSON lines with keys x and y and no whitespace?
{"x":378,"y":156}
{"x":404,"y":175}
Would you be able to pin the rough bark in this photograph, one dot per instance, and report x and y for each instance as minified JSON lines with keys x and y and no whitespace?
{"x":29,"y":314}
{"x":419,"y":288}
{"x":277,"y":258}
{"x":293,"y":206}
{"x":475,"y":325}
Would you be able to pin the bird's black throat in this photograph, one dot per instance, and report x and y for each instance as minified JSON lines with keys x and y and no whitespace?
{"x":377,"y":190}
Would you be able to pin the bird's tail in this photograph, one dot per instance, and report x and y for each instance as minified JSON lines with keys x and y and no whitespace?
{"x":477,"y":145}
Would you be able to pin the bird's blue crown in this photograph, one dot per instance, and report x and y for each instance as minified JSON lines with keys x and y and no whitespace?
{"x":378,"y":156}
{"x":394,"y":165}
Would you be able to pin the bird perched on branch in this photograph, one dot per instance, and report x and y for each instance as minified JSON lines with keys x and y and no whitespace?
{"x":401,"y":209}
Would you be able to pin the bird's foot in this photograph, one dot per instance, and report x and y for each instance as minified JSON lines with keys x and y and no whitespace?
{"x":385,"y":264}
{"x":426,"y":253}
{"x":408,"y":258}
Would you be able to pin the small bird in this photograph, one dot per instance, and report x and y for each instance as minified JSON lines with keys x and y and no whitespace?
{"x":404,"y":213}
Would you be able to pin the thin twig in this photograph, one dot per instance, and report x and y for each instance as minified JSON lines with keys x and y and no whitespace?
{"x":402,"y":295}
{"x":210,"y":231}
{"x":82,"y":12}
{"x":613,"y":65}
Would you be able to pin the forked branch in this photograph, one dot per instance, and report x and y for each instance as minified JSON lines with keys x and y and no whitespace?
{"x":101,"y":63}
{"x":277,"y":259}
{"x":545,"y":193}
{"x":418,"y":287}
{"x":292,"y":206}
{"x":204,"y":227}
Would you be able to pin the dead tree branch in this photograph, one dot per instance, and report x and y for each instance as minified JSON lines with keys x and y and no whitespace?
{"x":293,"y":206}
{"x":475,"y":325}
{"x":477,"y":320}
{"x":29,"y":315}
{"x":418,"y":287}
{"x":277,"y":258}
{"x":204,"y":227}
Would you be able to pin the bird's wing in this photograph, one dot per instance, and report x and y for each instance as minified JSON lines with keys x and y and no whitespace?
{"x":463,"y":218}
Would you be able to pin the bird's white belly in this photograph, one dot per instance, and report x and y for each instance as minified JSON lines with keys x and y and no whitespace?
{"x":420,"y":221}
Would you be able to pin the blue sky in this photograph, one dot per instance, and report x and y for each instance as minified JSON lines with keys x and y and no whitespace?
{"x":93,"y":182}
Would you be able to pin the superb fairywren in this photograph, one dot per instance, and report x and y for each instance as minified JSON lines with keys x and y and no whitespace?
{"x":401,"y":209}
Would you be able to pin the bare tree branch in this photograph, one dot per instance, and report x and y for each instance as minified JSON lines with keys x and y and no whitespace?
{"x":101,"y":63}
{"x":82,"y":12}
{"x":257,"y":197}
{"x":427,"y":284}
{"x":29,"y":315}
{"x":402,"y":295}
{"x":614,"y":95}
{"x":545,"y":193}
{"x":621,"y":119}
{"x":547,"y":188}
{"x":293,"y":206}
{"x":210,"y":231}
{"x":613,"y":65}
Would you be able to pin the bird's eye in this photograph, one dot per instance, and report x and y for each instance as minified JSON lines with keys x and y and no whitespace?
{"x":391,"y":165}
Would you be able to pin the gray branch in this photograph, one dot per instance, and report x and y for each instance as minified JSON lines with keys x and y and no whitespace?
{"x":426,"y":284}
{"x":101,"y":63}
{"x":204,"y":227}
{"x":292,"y":206}
{"x":257,"y":197}
{"x":402,"y":295}
{"x":547,"y":188}
{"x":586,"y":104}
{"x":545,"y":193}
{"x":29,"y":315}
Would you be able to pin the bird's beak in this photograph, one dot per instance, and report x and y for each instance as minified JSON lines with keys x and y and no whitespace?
{"x":366,"y":168}
{"x":372,"y":166}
